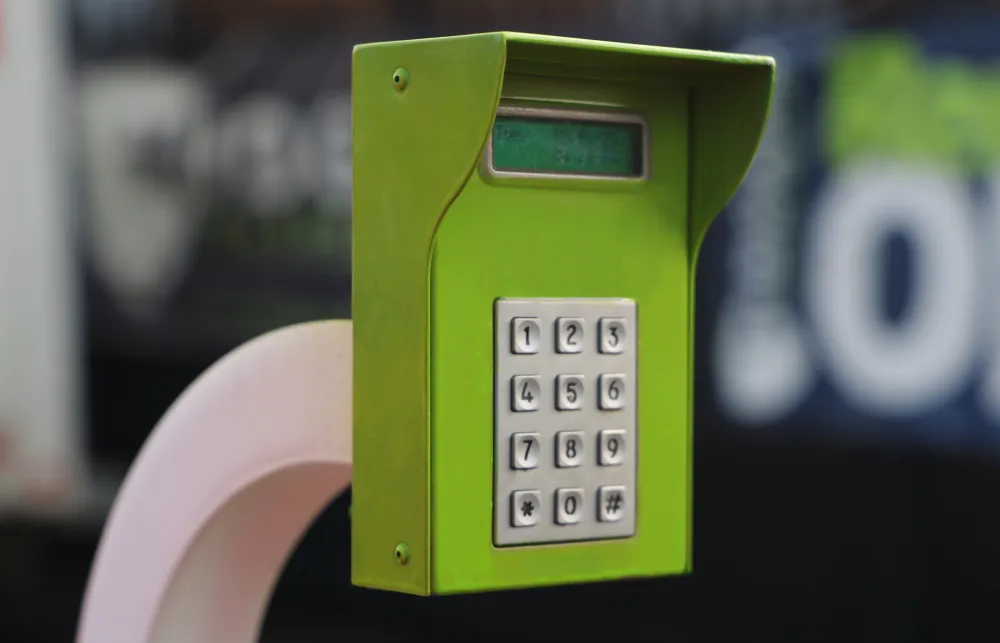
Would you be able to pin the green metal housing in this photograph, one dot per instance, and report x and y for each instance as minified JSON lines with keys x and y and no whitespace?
{"x":436,"y":241}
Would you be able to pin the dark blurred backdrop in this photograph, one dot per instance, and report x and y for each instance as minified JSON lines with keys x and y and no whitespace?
{"x":847,"y":475}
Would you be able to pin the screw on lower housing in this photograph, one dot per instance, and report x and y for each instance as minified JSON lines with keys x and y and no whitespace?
{"x":402,"y":554}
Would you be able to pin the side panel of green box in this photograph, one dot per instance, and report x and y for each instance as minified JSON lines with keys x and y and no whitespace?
{"x":502,"y":239}
{"x":412,"y":152}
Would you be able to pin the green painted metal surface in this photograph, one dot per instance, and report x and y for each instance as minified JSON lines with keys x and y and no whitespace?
{"x":436,"y":241}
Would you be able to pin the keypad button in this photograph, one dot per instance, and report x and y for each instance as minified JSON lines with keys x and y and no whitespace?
{"x":611,"y":448}
{"x":525,"y":335}
{"x":569,"y":449}
{"x":611,"y":335}
{"x":525,"y":508}
{"x":569,"y":392}
{"x":612,"y":395}
{"x":569,"y":335}
{"x":610,"y":503}
{"x":569,"y":506}
{"x":524,"y":450}
{"x":525,"y":391}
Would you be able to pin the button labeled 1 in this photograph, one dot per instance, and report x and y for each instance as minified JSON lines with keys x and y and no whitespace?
{"x":525,"y":335}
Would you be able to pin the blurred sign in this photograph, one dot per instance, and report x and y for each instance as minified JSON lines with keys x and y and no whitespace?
{"x":860,"y":255}
{"x":217,"y":188}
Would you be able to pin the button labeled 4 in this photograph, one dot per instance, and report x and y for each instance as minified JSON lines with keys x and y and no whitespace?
{"x":525,"y":391}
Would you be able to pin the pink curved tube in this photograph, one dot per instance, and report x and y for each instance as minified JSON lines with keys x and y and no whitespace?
{"x":223,"y":490}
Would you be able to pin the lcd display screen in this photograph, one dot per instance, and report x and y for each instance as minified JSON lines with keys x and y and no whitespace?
{"x":527,"y":144}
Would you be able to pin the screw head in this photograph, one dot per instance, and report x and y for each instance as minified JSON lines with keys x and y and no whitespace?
{"x":400,"y":79}
{"x":402,"y":554}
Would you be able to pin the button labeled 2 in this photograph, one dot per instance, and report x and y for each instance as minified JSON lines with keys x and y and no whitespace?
{"x":569,"y":335}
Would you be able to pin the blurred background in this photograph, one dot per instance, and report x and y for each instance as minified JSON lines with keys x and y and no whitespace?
{"x":175,"y":179}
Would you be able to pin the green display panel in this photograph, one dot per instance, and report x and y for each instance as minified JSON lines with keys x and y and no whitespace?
{"x":566,"y":145}
{"x":527,"y":217}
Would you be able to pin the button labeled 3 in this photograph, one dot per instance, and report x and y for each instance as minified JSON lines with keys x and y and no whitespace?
{"x":612,"y":335}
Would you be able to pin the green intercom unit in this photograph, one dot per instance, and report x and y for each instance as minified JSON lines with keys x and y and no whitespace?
{"x":527,"y":217}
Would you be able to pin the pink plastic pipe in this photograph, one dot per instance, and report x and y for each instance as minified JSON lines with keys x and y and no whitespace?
{"x":222,"y":492}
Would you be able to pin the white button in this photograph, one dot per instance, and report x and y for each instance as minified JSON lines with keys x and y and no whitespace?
{"x":569,"y":448}
{"x":569,"y":392}
{"x":524,"y":449}
{"x":610,"y":503}
{"x":525,"y":391}
{"x":569,"y":335}
{"x":525,"y":507}
{"x":569,"y":506}
{"x":611,"y":448}
{"x":612,"y":332}
{"x":612,"y":392}
{"x":525,"y":335}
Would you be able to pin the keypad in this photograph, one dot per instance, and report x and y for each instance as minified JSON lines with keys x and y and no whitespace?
{"x":565,"y":420}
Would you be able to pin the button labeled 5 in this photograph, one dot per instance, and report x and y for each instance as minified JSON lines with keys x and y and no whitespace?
{"x":569,"y":392}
